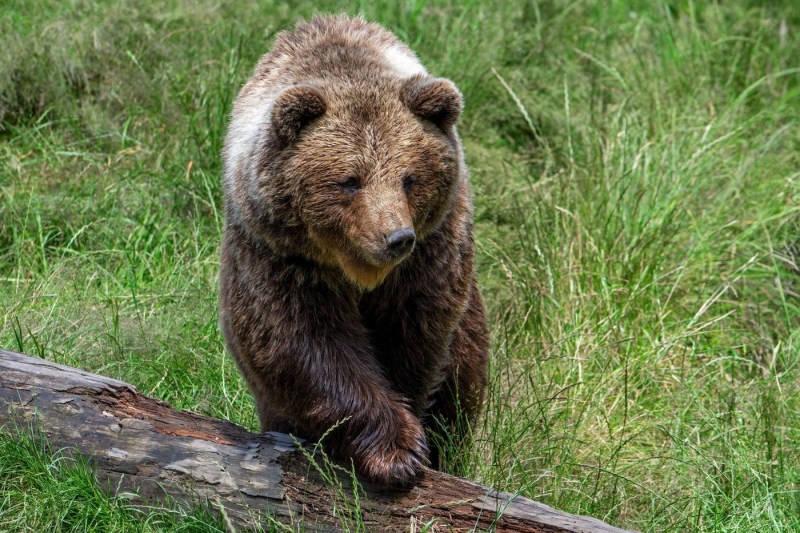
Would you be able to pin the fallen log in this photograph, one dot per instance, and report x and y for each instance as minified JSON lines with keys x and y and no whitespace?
{"x":138,"y":445}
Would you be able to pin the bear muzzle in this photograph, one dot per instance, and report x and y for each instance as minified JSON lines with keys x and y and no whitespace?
{"x":369,"y":264}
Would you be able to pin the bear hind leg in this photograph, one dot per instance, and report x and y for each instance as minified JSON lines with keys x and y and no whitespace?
{"x":455,"y":406}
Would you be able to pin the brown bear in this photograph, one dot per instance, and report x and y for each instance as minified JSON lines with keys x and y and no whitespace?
{"x":348,"y":291}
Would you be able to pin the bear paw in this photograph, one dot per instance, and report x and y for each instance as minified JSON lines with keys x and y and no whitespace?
{"x":397,"y":454}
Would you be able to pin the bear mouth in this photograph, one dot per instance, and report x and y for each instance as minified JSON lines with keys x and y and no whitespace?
{"x":363,"y":273}
{"x":364,"y":267}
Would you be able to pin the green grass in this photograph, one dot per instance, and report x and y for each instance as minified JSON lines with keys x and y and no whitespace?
{"x":636,"y":171}
{"x":46,"y":490}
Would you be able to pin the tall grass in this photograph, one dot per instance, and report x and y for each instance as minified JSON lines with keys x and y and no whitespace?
{"x":635,"y":170}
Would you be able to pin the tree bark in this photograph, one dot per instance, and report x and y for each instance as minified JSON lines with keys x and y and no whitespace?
{"x":138,"y":445}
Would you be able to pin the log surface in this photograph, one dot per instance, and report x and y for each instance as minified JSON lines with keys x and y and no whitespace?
{"x":138,"y":445}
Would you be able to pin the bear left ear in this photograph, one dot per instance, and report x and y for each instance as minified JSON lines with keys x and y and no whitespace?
{"x":294,"y":108}
{"x":435,"y":99}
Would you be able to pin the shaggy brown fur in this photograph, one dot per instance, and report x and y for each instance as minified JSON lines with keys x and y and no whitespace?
{"x":347,"y":284}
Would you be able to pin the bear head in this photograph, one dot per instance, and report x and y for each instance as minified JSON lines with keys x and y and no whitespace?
{"x":353,"y":175}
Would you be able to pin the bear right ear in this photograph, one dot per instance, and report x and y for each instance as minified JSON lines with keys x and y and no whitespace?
{"x":294,"y":108}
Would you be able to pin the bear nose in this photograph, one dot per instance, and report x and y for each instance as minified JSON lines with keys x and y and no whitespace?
{"x":400,"y":241}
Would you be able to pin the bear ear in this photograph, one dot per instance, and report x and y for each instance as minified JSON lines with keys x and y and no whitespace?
{"x":435,"y":99}
{"x":294,"y":108}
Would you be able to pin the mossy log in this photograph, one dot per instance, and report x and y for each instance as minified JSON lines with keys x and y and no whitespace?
{"x":138,"y":445}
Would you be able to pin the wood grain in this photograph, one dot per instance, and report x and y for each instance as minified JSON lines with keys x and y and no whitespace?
{"x":140,"y":445}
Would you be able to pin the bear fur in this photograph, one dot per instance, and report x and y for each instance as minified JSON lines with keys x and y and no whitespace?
{"x":348,"y":291}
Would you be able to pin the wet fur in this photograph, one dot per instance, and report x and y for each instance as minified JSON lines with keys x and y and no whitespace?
{"x":324,"y":325}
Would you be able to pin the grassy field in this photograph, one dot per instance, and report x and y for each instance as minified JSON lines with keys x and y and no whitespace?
{"x":636,"y":171}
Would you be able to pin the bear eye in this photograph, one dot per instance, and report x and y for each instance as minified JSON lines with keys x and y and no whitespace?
{"x":350,"y":185}
{"x":408,"y":182}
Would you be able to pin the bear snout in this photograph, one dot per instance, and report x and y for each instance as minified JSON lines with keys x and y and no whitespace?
{"x":400,"y":242}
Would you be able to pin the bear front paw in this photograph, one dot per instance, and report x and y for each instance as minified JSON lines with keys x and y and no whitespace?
{"x":396,"y":454}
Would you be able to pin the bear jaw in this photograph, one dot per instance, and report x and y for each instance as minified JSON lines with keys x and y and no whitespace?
{"x":362,"y":274}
